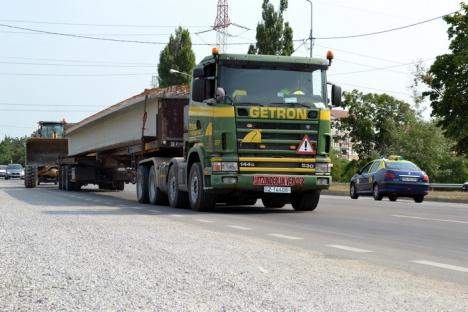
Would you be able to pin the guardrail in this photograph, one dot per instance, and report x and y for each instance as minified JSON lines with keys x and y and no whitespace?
{"x":434,"y":186}
{"x":446,"y":186}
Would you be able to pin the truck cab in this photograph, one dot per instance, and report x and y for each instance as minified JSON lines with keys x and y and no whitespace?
{"x":259,"y":127}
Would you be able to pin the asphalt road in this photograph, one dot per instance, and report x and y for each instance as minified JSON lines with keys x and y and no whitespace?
{"x":428,"y":240}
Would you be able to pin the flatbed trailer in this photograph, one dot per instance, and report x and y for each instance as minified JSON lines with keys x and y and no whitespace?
{"x":249,"y":127}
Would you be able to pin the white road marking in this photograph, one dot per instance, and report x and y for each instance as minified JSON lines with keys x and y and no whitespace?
{"x":430,"y":219}
{"x":348,"y":248}
{"x":442,"y":265}
{"x":262,"y":269}
{"x":177,"y":215}
{"x":238,"y":227}
{"x":284,"y":236}
{"x":204,"y":220}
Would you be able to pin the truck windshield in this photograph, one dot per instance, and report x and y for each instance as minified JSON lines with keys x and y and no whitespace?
{"x":48,"y":131}
{"x":268,"y":86}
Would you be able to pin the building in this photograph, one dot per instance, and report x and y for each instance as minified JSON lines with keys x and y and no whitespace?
{"x":341,"y":141}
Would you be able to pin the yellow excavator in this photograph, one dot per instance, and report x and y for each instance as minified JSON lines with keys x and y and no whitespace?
{"x":43,"y":149}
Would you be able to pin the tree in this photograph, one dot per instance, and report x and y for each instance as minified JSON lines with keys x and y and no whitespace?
{"x":274,"y":36}
{"x":448,"y":82}
{"x":373,"y":122}
{"x":178,"y":55}
{"x":12,"y":150}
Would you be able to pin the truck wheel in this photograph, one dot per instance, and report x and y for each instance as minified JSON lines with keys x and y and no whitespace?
{"x":199,"y":199}
{"x":59,"y":178}
{"x":305,"y":201}
{"x":270,"y":202}
{"x":155,"y":195}
{"x":376,"y":192}
{"x":142,"y":184}
{"x":177,"y":198}
{"x":30,"y":177}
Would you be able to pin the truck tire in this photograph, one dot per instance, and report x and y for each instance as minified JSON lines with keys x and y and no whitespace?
{"x":30,"y":177}
{"x":270,"y":202}
{"x":155,"y":195}
{"x":142,"y":184}
{"x":305,"y":201}
{"x":199,"y":199}
{"x":69,"y":185}
{"x":177,"y":198}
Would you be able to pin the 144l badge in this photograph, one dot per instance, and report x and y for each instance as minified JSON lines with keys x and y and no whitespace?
{"x":306,"y":147}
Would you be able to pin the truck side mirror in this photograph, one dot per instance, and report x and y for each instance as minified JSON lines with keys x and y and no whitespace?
{"x":336,"y":96}
{"x":220,"y":95}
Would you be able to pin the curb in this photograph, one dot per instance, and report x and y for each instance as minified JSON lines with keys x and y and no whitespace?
{"x":442,"y":200}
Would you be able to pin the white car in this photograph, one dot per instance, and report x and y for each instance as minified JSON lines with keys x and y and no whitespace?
{"x":3,"y":170}
{"x":14,"y":171}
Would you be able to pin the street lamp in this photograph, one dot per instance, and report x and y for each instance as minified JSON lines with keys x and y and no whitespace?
{"x":311,"y":24}
{"x":175,"y":71}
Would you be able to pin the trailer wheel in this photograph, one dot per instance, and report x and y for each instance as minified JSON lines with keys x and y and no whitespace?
{"x":199,"y":199}
{"x":155,"y":195}
{"x":305,"y":201}
{"x":142,"y":184}
{"x":177,"y":198}
{"x":30,"y":177}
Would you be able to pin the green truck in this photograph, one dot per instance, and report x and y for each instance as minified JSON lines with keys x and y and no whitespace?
{"x":253,"y":127}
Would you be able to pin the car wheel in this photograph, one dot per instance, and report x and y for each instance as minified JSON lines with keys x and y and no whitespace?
{"x":419,"y":198}
{"x":392,"y":197}
{"x":352,"y":191}
{"x":376,"y":192}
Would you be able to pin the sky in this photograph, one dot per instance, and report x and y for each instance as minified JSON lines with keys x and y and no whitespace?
{"x":50,"y":77}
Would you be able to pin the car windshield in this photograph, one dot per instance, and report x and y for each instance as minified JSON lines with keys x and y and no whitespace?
{"x":272,"y":86}
{"x":401,"y":165}
{"x":14,"y":166}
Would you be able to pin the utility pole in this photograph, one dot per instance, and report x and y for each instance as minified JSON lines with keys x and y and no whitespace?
{"x":221,"y":24}
{"x":311,"y":35}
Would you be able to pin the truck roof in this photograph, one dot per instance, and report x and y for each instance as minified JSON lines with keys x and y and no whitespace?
{"x":181,"y":91}
{"x":267,"y":59}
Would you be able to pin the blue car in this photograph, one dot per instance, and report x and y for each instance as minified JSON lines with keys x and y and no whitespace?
{"x":391,"y":177}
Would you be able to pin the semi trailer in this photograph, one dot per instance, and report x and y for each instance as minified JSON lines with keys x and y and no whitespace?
{"x":249,"y":127}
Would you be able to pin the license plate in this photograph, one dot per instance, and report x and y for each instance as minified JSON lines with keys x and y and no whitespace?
{"x":277,"y":189}
{"x":407,"y":179}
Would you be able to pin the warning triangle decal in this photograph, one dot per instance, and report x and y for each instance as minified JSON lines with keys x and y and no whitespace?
{"x":306,"y":147}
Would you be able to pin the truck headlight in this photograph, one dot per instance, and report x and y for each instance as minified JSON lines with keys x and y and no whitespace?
{"x":322,"y":167}
{"x":224,"y":166}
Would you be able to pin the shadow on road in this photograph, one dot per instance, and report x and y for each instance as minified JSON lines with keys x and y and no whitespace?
{"x":91,"y":201}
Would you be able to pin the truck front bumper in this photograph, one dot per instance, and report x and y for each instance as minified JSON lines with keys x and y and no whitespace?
{"x":245,"y":182}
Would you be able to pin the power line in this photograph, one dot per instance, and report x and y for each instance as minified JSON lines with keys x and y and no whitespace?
{"x":86,"y":34}
{"x":99,"y":25}
{"x":386,"y":30}
{"x":361,"y":54}
{"x":47,"y":105}
{"x":107,"y":39}
{"x":375,"y":89}
{"x":77,"y":65}
{"x":46,"y":111}
{"x":73,"y":75}
{"x":380,"y":68}
{"x":73,"y":60}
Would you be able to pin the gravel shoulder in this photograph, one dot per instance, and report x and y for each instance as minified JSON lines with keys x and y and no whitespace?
{"x":62,"y":254}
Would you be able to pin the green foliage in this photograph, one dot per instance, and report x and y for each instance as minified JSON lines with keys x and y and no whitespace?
{"x":178,"y":55}
{"x":448,"y":82}
{"x":424,"y":144}
{"x":12,"y":150}
{"x":274,"y":36}
{"x":374,"y":121}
